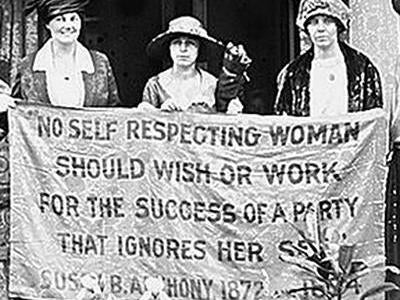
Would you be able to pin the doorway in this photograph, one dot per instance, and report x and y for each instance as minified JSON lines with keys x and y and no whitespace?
{"x":122,"y":29}
{"x":266,"y":28}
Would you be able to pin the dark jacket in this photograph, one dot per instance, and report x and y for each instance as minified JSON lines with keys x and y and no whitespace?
{"x":100,"y":86}
{"x":364,"y":84}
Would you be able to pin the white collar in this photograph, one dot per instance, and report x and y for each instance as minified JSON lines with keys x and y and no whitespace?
{"x":166,"y":77}
{"x":84,"y":61}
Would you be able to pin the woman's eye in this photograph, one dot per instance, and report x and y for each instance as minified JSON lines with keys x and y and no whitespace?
{"x":328,"y":20}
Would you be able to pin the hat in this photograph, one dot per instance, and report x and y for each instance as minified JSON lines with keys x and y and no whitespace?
{"x":333,"y":8}
{"x":49,"y":9}
{"x":396,"y":5}
{"x":186,"y":25}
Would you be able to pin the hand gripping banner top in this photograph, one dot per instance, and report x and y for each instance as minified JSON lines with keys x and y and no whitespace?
{"x":220,"y":207}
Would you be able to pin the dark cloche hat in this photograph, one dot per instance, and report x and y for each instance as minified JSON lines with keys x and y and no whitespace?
{"x":49,"y":9}
{"x":333,"y":8}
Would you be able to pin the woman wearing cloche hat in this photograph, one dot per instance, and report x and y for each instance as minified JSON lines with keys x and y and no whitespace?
{"x":64,"y":72}
{"x":183,"y":86}
{"x":331,"y":78}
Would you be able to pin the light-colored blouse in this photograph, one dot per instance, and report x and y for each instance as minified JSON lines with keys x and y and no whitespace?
{"x":164,"y":86}
{"x":328,"y":87}
{"x":64,"y":89}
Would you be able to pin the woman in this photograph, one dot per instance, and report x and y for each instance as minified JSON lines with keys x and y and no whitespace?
{"x":183,"y":86}
{"x":331,"y":78}
{"x":63,"y":72}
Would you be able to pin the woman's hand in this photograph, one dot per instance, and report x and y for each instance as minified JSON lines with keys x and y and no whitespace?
{"x":236,"y":61}
{"x":235,"y":107}
{"x":200,"y":107}
{"x":6,"y":102}
{"x":146,"y":107}
{"x":171,"y":105}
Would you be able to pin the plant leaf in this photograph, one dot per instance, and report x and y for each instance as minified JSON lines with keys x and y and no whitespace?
{"x":393,"y":269}
{"x":308,"y":267}
{"x":309,"y":241}
{"x":311,"y":288}
{"x":385,"y":287}
{"x":379,"y":267}
{"x":345,"y":257}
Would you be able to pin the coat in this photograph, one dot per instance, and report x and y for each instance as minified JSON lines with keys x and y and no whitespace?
{"x":364,"y":84}
{"x":100,"y":86}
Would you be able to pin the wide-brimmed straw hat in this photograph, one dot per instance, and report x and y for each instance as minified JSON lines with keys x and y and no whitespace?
{"x":188,"y":26}
{"x":49,"y":9}
{"x":333,"y":8}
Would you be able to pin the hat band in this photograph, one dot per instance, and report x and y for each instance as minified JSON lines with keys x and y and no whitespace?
{"x":194,"y":31}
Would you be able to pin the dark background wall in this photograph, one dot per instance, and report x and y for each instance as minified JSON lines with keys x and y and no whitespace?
{"x":263,"y":27}
{"x":122,"y":29}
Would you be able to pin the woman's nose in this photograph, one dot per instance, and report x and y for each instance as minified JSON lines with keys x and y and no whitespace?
{"x":320,"y":25}
{"x":68,"y":23}
{"x":183,"y":46}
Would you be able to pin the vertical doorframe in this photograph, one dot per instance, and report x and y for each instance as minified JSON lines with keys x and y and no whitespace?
{"x":167,"y":12}
{"x":292,"y":29}
{"x":199,"y":8}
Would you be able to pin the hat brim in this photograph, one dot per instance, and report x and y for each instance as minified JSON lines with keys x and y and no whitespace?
{"x":159,"y":46}
{"x":323,"y":13}
{"x":342,"y":16}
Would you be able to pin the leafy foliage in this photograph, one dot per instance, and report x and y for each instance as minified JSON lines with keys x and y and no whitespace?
{"x":335,"y":270}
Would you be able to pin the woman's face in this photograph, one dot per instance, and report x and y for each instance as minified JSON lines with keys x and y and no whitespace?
{"x":65,"y":28}
{"x":323,"y":31}
{"x":184,"y":51}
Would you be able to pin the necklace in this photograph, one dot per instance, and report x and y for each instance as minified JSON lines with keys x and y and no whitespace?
{"x":64,"y":66}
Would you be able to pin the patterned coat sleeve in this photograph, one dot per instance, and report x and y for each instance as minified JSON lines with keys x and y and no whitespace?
{"x":21,"y":83}
{"x":16,"y":90}
{"x":113,"y":97}
{"x":150,"y":93}
{"x":372,"y":88}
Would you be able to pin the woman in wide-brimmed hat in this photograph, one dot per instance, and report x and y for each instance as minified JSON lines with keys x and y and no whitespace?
{"x":183,"y":86}
{"x":64,"y":72}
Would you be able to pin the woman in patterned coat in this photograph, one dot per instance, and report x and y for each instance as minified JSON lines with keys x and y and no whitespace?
{"x":331,"y":78}
{"x":64,"y":72}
